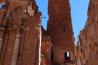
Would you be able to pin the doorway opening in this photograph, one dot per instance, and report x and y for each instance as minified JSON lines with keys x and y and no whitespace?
{"x":67,"y":56}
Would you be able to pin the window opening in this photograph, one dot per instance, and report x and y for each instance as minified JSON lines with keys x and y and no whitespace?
{"x":2,"y":5}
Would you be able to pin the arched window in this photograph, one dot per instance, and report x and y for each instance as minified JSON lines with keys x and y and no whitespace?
{"x":2,"y":5}
{"x":67,"y":56}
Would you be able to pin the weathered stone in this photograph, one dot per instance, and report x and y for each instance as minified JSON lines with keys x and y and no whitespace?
{"x":19,"y":34}
{"x":88,"y":38}
{"x":46,"y":48}
{"x":60,"y":31}
{"x":19,"y":40}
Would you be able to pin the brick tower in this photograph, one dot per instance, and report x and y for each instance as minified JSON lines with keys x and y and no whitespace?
{"x":61,"y":33}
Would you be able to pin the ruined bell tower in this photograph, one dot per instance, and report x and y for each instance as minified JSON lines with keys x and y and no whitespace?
{"x":61,"y":33}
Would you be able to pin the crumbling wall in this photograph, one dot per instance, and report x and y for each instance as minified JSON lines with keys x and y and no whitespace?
{"x":19,"y":40}
{"x":60,"y":31}
{"x":46,"y":49}
{"x":88,"y":38}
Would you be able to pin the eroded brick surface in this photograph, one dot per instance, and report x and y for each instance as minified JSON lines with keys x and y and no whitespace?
{"x":88,"y":38}
{"x":19,"y":34}
{"x":60,"y":31}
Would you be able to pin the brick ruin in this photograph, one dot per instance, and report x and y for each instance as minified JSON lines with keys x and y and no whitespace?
{"x":88,"y":38}
{"x":19,"y":34}
{"x":60,"y":31}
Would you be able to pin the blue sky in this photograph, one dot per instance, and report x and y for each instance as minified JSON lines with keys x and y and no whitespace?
{"x":78,"y":13}
{"x":79,"y":10}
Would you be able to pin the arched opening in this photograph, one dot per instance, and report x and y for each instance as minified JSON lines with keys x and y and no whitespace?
{"x":2,"y":5}
{"x":67,"y":56}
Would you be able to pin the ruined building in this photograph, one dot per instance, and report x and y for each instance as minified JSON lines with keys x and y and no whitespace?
{"x":19,"y":35}
{"x":88,"y":38}
{"x":60,"y":32}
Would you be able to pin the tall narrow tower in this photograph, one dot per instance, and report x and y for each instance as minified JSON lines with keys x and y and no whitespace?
{"x":60,"y":30}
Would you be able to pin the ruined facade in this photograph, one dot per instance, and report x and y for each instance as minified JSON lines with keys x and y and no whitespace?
{"x":88,"y":38}
{"x":61,"y":33}
{"x":19,"y":35}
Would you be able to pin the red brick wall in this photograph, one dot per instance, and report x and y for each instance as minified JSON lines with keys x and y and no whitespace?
{"x":60,"y":29}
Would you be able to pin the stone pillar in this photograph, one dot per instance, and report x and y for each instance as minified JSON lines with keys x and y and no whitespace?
{"x":7,"y":47}
{"x":16,"y":49}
